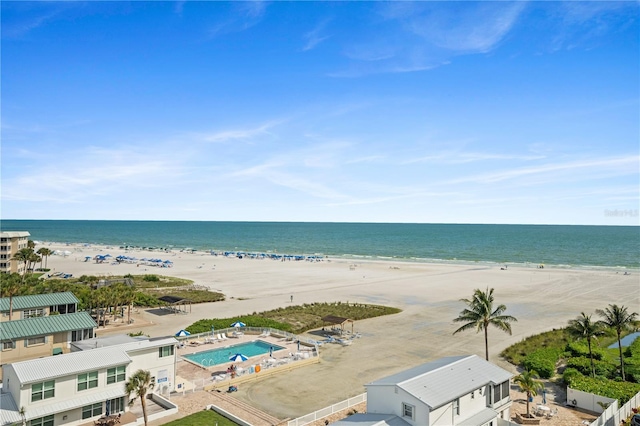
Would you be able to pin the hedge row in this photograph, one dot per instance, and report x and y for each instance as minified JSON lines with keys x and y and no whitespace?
{"x":622,"y":391}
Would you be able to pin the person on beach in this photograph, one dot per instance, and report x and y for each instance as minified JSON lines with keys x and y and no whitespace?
{"x":292,"y":298}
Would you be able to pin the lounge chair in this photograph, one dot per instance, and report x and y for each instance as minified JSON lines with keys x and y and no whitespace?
{"x":224,"y":336}
{"x":265,"y":334}
{"x":219,"y":336}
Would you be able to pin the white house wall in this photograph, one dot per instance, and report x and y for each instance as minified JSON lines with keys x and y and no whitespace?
{"x":148,"y":359}
{"x":389,"y":400}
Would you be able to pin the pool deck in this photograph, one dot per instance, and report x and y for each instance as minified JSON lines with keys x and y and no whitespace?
{"x":190,"y":375}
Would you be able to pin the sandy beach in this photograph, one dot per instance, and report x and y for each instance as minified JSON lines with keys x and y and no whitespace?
{"x":428,"y":294}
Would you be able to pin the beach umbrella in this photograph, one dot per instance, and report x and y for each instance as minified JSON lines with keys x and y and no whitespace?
{"x":238,"y":324}
{"x":182,"y":333}
{"x":238,"y":358}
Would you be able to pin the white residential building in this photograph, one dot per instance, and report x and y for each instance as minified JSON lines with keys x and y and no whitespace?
{"x":78,"y":387}
{"x":451,"y":391}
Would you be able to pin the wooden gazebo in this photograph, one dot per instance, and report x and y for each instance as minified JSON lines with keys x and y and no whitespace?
{"x":331,"y":319}
{"x":176,"y":302}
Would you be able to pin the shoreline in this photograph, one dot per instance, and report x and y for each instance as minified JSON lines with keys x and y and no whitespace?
{"x":345,"y":258}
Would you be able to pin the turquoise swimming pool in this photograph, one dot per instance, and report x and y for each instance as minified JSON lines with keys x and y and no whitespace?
{"x":221,"y":355}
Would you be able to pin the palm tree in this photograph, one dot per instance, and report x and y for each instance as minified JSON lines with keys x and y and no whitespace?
{"x":11,"y":286}
{"x":583,"y":328}
{"x":480,"y":314}
{"x":528,"y":383}
{"x":23,"y":256}
{"x":45,"y":253}
{"x":139,"y":384}
{"x":617,"y":318}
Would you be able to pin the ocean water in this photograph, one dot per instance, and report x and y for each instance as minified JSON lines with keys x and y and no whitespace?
{"x":551,"y":245}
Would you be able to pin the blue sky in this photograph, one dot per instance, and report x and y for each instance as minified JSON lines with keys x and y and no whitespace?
{"x":452,"y":112}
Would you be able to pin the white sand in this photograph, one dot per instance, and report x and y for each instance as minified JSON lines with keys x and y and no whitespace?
{"x":429,"y":295}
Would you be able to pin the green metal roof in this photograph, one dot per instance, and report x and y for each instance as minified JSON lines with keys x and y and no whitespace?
{"x":45,"y":326}
{"x":37,"y":301}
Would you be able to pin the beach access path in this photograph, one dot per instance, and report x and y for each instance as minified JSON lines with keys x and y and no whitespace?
{"x":429,"y":294}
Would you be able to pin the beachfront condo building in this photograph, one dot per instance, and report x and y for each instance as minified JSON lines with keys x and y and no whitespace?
{"x":10,"y":243}
{"x":79,"y":387}
{"x":41,"y":325}
{"x":451,"y":391}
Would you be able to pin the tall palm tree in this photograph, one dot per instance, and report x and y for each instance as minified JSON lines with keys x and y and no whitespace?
{"x":45,"y":253}
{"x":23,"y":256}
{"x":529,"y":384}
{"x":11,"y":286}
{"x":617,"y":318}
{"x":139,"y":384}
{"x":583,"y":328}
{"x":480,"y":314}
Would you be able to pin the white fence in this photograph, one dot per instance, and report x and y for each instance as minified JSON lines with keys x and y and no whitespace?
{"x":324,"y":412}
{"x":587,"y":401}
{"x":613,"y":416}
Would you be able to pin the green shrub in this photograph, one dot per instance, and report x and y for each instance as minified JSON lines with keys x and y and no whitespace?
{"x":204,"y":325}
{"x":569,"y":375}
{"x":556,"y":338}
{"x":543,"y":361}
{"x":622,"y":391}
{"x":583,"y":365}
{"x":580,"y":349}
{"x":150,"y":278}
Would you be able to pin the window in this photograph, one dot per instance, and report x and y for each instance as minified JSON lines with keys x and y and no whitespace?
{"x":87,"y":381}
{"x":116,"y":405}
{"x":496,"y":393}
{"x":42,"y":421}
{"x":44,"y":390}
{"x":32,"y":313}
{"x":93,"y":410}
{"x":41,"y":340}
{"x":407,"y":410}
{"x":7,"y":346}
{"x":116,"y":374}
{"x":473,"y":394}
{"x":165,"y":351}
{"x":505,"y":389}
{"x":78,"y":335}
{"x":456,"y":407}
{"x":500,"y":391}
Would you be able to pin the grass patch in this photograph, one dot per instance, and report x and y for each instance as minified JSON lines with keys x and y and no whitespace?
{"x":207,"y":417}
{"x":297,"y":319}
{"x":556,"y":339}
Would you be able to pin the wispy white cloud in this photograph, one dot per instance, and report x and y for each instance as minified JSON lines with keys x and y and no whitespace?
{"x":461,"y":157}
{"x":316,"y":36}
{"x":238,"y":134}
{"x":245,"y":14}
{"x":583,"y":169}
{"x":89,"y":173}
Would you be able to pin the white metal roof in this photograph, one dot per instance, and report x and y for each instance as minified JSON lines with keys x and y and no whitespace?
{"x":370,"y":419}
{"x":439,"y":382}
{"x":9,"y":413}
{"x":79,"y":401}
{"x":41,"y":369}
{"x":479,"y":419}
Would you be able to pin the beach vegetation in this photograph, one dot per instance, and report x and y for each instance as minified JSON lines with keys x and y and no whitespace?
{"x":150,"y":278}
{"x":299,"y":318}
{"x":618,"y":319}
{"x":543,"y":360}
{"x":205,"y":417}
{"x":622,"y":391}
{"x":583,"y":327}
{"x":480,"y":314}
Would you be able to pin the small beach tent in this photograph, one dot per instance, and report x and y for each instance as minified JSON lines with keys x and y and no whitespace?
{"x":338,"y":321}
{"x":182,"y":333}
